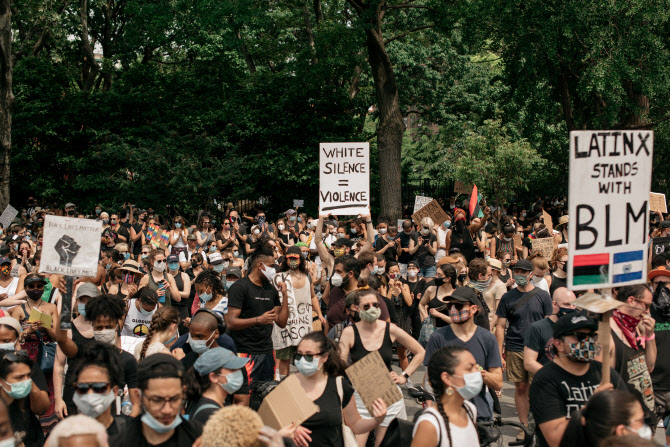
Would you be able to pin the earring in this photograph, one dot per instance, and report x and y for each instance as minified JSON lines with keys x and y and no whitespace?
{"x":450,"y":391}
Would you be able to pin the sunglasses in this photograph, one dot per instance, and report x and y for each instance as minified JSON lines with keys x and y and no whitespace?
{"x":38,"y":286}
{"x":367,"y":306}
{"x":293,"y":257}
{"x":97,"y":387}
{"x":159,"y":261}
{"x":582,"y":336}
{"x":457,"y":305}
{"x":308,"y":357}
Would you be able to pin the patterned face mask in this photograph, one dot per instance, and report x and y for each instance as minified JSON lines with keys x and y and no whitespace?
{"x":5,"y":269}
{"x":583,"y":351}
{"x":459,"y":316}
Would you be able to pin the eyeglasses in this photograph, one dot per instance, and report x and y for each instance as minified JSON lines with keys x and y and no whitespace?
{"x":367,"y":306}
{"x":308,"y":357}
{"x":97,"y":387}
{"x":647,"y":306}
{"x":38,"y":286}
{"x":583,"y":336}
{"x":156,"y":403}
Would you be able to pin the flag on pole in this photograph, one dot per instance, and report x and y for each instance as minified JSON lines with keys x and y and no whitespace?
{"x":474,"y":203}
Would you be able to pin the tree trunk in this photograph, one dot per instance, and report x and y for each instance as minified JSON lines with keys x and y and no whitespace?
{"x":6,"y":98}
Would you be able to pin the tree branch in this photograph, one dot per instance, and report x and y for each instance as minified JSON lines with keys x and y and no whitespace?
{"x":400,"y":36}
{"x":406,"y":6}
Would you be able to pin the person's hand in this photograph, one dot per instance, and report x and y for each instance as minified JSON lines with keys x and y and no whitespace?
{"x":270,"y":437}
{"x":282,"y":287}
{"x":3,"y":296}
{"x":322,"y":320}
{"x":605,"y":387}
{"x":391,"y":244}
{"x":288,"y":431}
{"x":302,"y":437}
{"x":420,"y":241}
{"x":434,"y":313}
{"x":178,"y":353}
{"x":647,"y":325}
{"x":60,"y":409}
{"x":379,"y":410}
{"x":132,"y":289}
{"x":198,"y":442}
{"x":268,"y":317}
{"x":398,"y":379}
{"x":187,"y":322}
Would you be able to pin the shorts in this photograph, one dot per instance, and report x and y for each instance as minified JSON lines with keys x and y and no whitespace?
{"x":285,"y":353}
{"x":397,"y":410}
{"x":515,"y":370}
{"x":259,"y":368}
{"x":428,"y":272}
{"x":662,"y":405}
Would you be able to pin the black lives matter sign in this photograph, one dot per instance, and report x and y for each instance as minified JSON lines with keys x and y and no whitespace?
{"x":610,"y":180}
{"x":344,"y":178}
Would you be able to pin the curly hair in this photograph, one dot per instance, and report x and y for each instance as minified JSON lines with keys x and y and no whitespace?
{"x":161,"y":320}
{"x":556,"y":256}
{"x":234,"y":426}
{"x":211,"y":278}
{"x":105,"y":306}
{"x":101,"y":355}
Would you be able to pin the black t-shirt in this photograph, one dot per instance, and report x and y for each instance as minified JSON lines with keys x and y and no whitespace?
{"x":326,"y":425}
{"x":253,"y":301}
{"x":404,"y":257}
{"x":117,"y":431}
{"x":555,"y":393}
{"x":416,"y":289}
{"x":287,"y":237}
{"x":391,"y":254}
{"x":540,"y":338}
{"x":424,"y":256}
{"x":202,"y":415}
{"x":535,"y":309}
{"x":137,"y":247}
{"x":660,"y":376}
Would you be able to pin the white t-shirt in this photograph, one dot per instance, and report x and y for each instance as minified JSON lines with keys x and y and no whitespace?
{"x":460,"y":436}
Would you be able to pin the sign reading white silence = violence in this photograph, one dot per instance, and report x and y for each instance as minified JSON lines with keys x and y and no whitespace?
{"x":610,"y":180}
{"x":71,"y":246}
{"x":344,"y":178}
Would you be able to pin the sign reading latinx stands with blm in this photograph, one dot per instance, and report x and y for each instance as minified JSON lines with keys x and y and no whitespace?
{"x":344,"y":178}
{"x":610,"y":181}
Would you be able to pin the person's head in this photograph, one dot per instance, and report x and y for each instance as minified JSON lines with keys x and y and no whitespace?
{"x":447,"y":273}
{"x":34,"y":285}
{"x":217,"y":367}
{"x":559,"y":259}
{"x":407,"y":226}
{"x":146,"y":251}
{"x":235,"y":425}
{"x":304,"y":250}
{"x":508,"y":232}
{"x":165,"y":319}
{"x":479,"y":270}
{"x":522,"y":272}
{"x":382,"y":226}
{"x":160,"y":379}
{"x":10,"y":329}
{"x":179,"y":223}
{"x":104,"y":217}
{"x":158,"y":261}
{"x":232,"y":275}
{"x":541,"y":231}
{"x":627,"y":441}
{"x":204,"y":223}
{"x":208,"y":285}
{"x":607,"y":413}
{"x":347,"y":268}
{"x":262,"y":260}
{"x":196,"y":260}
{"x":540,"y":265}
{"x":394,"y":270}
{"x":659,"y":276}
{"x":24,"y":248}
{"x":105,"y":312}
{"x":341,"y":246}
{"x":462,"y":305}
{"x":563,"y":301}
{"x":366,"y":303}
{"x":448,"y":368}
{"x":575,"y":337}
{"x":95,"y":378}
{"x":15,"y":373}
{"x":293,"y":260}
{"x":78,"y":431}
{"x":206,"y":327}
{"x":316,"y":352}
{"x":427,"y":225}
{"x":368,"y":260}
{"x":637,"y":299}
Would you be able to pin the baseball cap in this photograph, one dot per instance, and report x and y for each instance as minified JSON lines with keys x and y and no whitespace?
{"x":159,"y":366}
{"x":173,"y":258}
{"x":5,"y":260}
{"x":665,"y":224}
{"x":235,"y":271}
{"x":524,"y":264}
{"x":464,"y":295}
{"x":413,"y":263}
{"x":290,"y":212}
{"x":447,"y":260}
{"x":573,"y":321}
{"x":33,"y":278}
{"x":216,"y":358}
{"x":293,"y":250}
{"x":69,"y":204}
{"x":87,"y":289}
{"x":191,"y":237}
{"x":215,"y":258}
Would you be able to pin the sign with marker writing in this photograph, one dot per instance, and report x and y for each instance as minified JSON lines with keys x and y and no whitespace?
{"x":344,"y":178}
{"x":8,"y":216}
{"x":545,"y":246}
{"x":297,"y":203}
{"x":420,"y":202}
{"x":71,"y":247}
{"x":462,"y":188}
{"x":432,"y":210}
{"x":372,"y":380}
{"x":656,"y":202}
{"x":610,"y":182}
{"x":299,"y":322}
{"x":660,"y":245}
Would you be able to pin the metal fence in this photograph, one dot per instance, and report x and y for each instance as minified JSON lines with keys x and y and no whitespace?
{"x":412,"y":187}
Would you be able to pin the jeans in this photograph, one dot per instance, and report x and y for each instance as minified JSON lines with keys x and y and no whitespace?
{"x":428,"y":272}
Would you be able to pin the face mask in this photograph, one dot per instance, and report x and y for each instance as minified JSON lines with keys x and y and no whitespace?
{"x":212,"y":249}
{"x":480,"y":286}
{"x":170,"y":340}
{"x":105,"y":336}
{"x":505,"y":263}
{"x":34,"y":294}
{"x":353,"y":231}
{"x":19,"y":390}
{"x":257,"y":231}
{"x":370,"y":315}
{"x":156,"y":426}
{"x":338,"y":252}
{"x":146,"y":313}
{"x":199,"y":346}
{"x":380,"y":270}
{"x":473,"y":385}
{"x":92,"y":404}
{"x":643,"y":432}
{"x":7,"y":346}
{"x":218,"y":268}
{"x":9,"y":442}
{"x":236,"y":253}
{"x":462,"y":277}
{"x":564,"y":311}
{"x":304,"y":255}
{"x":229,"y":283}
{"x":235,"y":380}
{"x":269,"y":272}
{"x":173,"y":266}
{"x":205,"y":297}
{"x":382,"y":231}
{"x":144,"y":256}
{"x":299,"y":219}
{"x":159,"y":267}
{"x":521,"y":280}
{"x":126,"y":256}
{"x":280,"y":227}
{"x":177,"y":225}
{"x":293,"y":264}
{"x":5,"y":270}
{"x":70,"y":213}
{"x":105,"y":221}
{"x":81,"y":308}
{"x":308,"y":368}
{"x":394,"y":275}
{"x":98,"y":211}
{"x":661,"y":301}
{"x":583,"y":351}
{"x":506,"y":239}
{"x":535,"y":280}
{"x":447,"y":224}
{"x":412,"y":273}
{"x":459,"y":316}
{"x":336,"y":280}
{"x":425,"y":231}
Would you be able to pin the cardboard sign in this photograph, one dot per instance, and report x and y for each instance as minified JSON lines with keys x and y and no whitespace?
{"x":36,"y":315}
{"x":518,"y":242}
{"x":545,"y":246}
{"x":610,"y":182}
{"x":299,"y":321}
{"x":285,"y":404}
{"x":71,"y":247}
{"x":8,"y":216}
{"x":546,"y":218}
{"x":657,"y":202}
{"x":660,"y":245}
{"x":462,"y":188}
{"x":157,"y":237}
{"x":432,"y":210}
{"x":372,"y":380}
{"x":344,"y":178}
{"x":420,"y":202}
{"x":298,"y":203}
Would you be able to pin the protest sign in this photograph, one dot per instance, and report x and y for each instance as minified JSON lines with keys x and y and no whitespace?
{"x":660,"y":245}
{"x":462,"y":188}
{"x":546,"y":218}
{"x":298,"y":203}
{"x":158,"y":238}
{"x":344,"y":178}
{"x":545,"y":246}
{"x":8,"y":216}
{"x":657,"y":202}
{"x":287,"y":404}
{"x":399,"y":223}
{"x":299,"y":321}
{"x":71,"y":247}
{"x":371,"y":379}
{"x":432,"y":210}
{"x":420,"y":202}
{"x":610,"y":182}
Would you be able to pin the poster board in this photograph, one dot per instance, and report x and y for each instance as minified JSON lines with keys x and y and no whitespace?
{"x":432,"y":210}
{"x":399,"y":224}
{"x":420,"y":202}
{"x":157,"y":237}
{"x":285,"y":404}
{"x":298,"y":203}
{"x":545,"y":246}
{"x":71,"y":246}
{"x":657,"y":202}
{"x":344,"y":178}
{"x":546,"y":218}
{"x":610,"y":182}
{"x":462,"y":188}
{"x":8,"y":216}
{"x":660,"y":245}
{"x":299,"y":321}
{"x":371,"y":379}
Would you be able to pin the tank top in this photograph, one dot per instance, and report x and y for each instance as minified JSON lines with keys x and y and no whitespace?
{"x":10,"y":290}
{"x":167,"y":298}
{"x":504,"y":246}
{"x":464,"y":243}
{"x":136,"y":323}
{"x":434,"y":304}
{"x":557,"y":282}
{"x":632,"y":367}
{"x":358,"y":351}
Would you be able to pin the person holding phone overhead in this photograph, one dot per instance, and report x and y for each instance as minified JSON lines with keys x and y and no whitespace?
{"x":160,"y":281}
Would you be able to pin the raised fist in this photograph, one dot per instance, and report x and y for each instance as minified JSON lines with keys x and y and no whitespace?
{"x":67,"y":249}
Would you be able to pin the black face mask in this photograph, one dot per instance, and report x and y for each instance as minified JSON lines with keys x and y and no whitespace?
{"x":564,"y":311}
{"x":70,"y":212}
{"x":438,"y":281}
{"x":661,"y":301}
{"x":462,"y":278}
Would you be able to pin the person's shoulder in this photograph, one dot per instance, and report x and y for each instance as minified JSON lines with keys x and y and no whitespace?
{"x":127,"y":357}
{"x":548,"y":373}
{"x":483,"y":334}
{"x":472,"y":407}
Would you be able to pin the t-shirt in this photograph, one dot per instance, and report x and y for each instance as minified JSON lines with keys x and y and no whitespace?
{"x":137,"y":245}
{"x":391,"y":254}
{"x":555,"y":393}
{"x":540,"y":338}
{"x":460,"y":436}
{"x":535,"y":309}
{"x":483,"y":347}
{"x":423,"y":255}
{"x":403,"y":256}
{"x":202,"y":415}
{"x":253,"y":301}
{"x":26,"y":425}
{"x":660,"y":376}
{"x":326,"y":424}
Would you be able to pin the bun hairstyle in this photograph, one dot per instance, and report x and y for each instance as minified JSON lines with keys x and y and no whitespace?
{"x":538,"y":261}
{"x":334,"y":366}
{"x":161,"y":320}
{"x":234,"y":426}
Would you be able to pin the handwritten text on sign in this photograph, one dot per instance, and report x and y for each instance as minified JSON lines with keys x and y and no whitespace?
{"x":299,"y":321}
{"x":432,"y":210}
{"x":372,"y":380}
{"x":71,"y":247}
{"x":344,"y":187}
{"x":610,"y":179}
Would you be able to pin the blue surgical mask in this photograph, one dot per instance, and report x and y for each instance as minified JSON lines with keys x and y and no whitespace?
{"x":447,"y":224}
{"x":146,"y":313}
{"x":7,"y":347}
{"x":126,"y":256}
{"x":235,"y":380}
{"x":81,"y":308}
{"x":205,"y":297}
{"x":19,"y":390}
{"x":145,"y":256}
{"x":236,"y":253}
{"x":105,"y":221}
{"x":218,"y":268}
{"x":169,"y":341}
{"x":199,"y":346}
{"x":173,"y":266}
{"x":212,"y":249}
{"x":229,"y":283}
{"x":156,"y":426}
{"x":473,"y":385}
{"x":307,"y":368}
{"x":177,"y":225}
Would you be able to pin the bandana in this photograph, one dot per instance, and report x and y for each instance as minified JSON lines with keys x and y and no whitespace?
{"x":480,"y":286}
{"x":627,"y":324}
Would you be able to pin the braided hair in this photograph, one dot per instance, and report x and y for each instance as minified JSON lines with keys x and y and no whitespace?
{"x":162,"y":319}
{"x":445,"y":359}
{"x":211,"y":278}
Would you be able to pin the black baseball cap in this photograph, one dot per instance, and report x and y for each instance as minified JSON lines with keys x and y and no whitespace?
{"x":573,"y":321}
{"x":343,"y":242}
{"x":159,"y":366}
{"x":464,"y":295}
{"x":524,"y":264}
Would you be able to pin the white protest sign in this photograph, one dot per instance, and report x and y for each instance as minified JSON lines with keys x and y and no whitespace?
{"x":8,"y":216}
{"x":344,"y":178}
{"x":298,"y":203}
{"x":420,"y":202}
{"x":71,"y":247}
{"x":610,"y":181}
{"x":299,"y":321}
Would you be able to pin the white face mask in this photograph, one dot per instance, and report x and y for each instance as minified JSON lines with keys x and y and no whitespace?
{"x":257,"y":231}
{"x":382,"y":231}
{"x":159,"y":267}
{"x":280,"y":227}
{"x":105,"y":336}
{"x":336,"y":280}
{"x":269,"y":272}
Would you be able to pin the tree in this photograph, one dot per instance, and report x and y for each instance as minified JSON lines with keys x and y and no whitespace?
{"x":6,"y":98}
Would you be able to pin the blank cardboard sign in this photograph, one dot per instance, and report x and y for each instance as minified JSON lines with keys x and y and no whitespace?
{"x":372,"y":380}
{"x":285,"y":404}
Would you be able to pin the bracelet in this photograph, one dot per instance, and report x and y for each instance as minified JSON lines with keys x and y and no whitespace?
{"x":650,"y":338}
{"x":368,"y":222}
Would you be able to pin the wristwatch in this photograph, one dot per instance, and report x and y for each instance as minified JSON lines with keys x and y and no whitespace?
{"x":405,"y":375}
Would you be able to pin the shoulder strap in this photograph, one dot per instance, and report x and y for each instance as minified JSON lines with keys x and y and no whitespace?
{"x":524,"y":299}
{"x":204,"y":407}
{"x":338,"y":332}
{"x":439,"y":427}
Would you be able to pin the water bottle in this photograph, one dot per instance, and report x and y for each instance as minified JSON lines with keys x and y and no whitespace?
{"x":126,"y":405}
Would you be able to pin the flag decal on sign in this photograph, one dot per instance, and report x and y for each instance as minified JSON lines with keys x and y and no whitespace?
{"x":591,"y":269}
{"x":627,"y":266}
